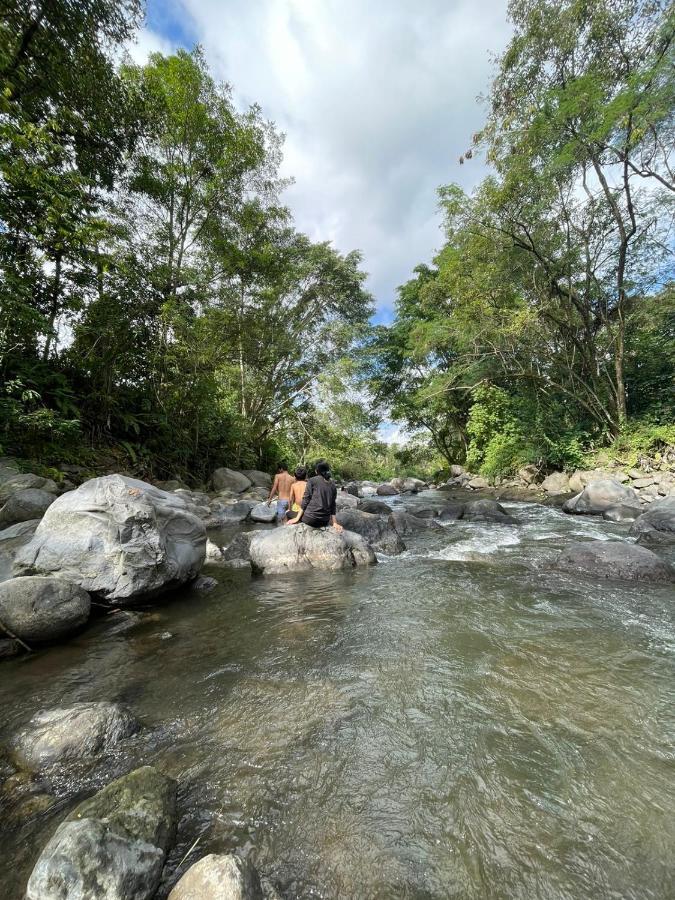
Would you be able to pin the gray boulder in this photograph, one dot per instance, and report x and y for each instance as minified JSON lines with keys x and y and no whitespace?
{"x":26,"y":482}
{"x":239,"y":549}
{"x":622,"y":513}
{"x":487,"y":511}
{"x":230,"y":480}
{"x":258,"y":478}
{"x":374,"y":506}
{"x":451,"y":512}
{"x":222,"y":876}
{"x":377,"y":530}
{"x":405,"y":524}
{"x":344,"y":500}
{"x":23,"y":506}
{"x":367,"y":489}
{"x":615,"y":560}
{"x":22,"y":530}
{"x":556,"y":483}
{"x":478,"y":483}
{"x":232,"y":513}
{"x":456,"y":471}
{"x":112,"y":846}
{"x":424,"y":512}
{"x":42,"y":608}
{"x":600,"y":495}
{"x":656,"y":526}
{"x":408,"y":485}
{"x":300,"y":548}
{"x":119,"y":538}
{"x":264,"y":512}
{"x":71,"y":733}
{"x":386,"y":490}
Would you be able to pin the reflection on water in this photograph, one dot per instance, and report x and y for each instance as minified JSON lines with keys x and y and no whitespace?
{"x":456,"y":722}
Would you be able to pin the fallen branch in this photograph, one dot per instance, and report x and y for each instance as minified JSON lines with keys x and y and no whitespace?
{"x":15,"y":637}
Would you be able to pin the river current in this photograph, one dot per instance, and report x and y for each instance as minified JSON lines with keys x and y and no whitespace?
{"x":458,"y":721}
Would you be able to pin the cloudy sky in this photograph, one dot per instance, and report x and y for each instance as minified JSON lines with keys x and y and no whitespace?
{"x":377,"y":100}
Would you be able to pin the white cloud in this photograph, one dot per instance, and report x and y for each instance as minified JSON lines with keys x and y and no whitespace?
{"x":377,"y":100}
{"x":147,"y":42}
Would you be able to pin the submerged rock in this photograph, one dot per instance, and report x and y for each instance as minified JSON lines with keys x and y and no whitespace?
{"x":23,"y":506}
{"x":600,"y":495}
{"x":616,"y":560}
{"x":379,"y":531}
{"x":71,"y":733}
{"x":112,"y":846}
{"x":42,"y":608}
{"x":487,"y":511}
{"x":119,"y":538}
{"x":222,"y":876}
{"x":300,"y":547}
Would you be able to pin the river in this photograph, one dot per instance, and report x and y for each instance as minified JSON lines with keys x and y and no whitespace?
{"x":458,"y":721}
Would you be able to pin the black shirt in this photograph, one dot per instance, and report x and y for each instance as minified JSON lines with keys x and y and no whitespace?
{"x":319,"y":501}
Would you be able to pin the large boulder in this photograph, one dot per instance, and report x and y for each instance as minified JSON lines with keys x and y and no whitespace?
{"x":42,"y":608}
{"x":456,"y":471}
{"x":297,"y":548}
{"x":616,"y":560}
{"x":119,"y":538}
{"x":556,"y":483}
{"x":656,"y":526}
{"x":378,"y":530}
{"x":222,"y":876}
{"x":367,"y":488}
{"x":23,"y":506}
{"x":386,"y":490}
{"x":71,"y":733}
{"x":408,"y":485}
{"x":225,"y":514}
{"x":112,"y":846}
{"x":258,"y":478}
{"x":487,"y":511}
{"x":26,"y":482}
{"x":451,"y":512}
{"x":345,"y":500}
{"x":622,"y":513}
{"x":405,"y":524}
{"x":230,"y":480}
{"x":478,"y":483}
{"x":600,"y":495}
{"x":264,"y":512}
{"x":374,"y":506}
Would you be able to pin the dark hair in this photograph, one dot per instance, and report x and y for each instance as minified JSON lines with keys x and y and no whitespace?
{"x":282,"y":467}
{"x":301,"y":473}
{"x":323,"y":468}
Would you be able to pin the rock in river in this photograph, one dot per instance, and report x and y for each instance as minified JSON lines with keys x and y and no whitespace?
{"x":42,"y":608}
{"x":119,"y":538}
{"x":222,"y":876}
{"x":376,"y":529}
{"x":264,"y":512}
{"x":600,"y":495}
{"x":71,"y":733}
{"x":656,"y":526}
{"x":487,"y":511}
{"x":112,"y":846}
{"x":25,"y":505}
{"x":614,"y":559}
{"x":300,"y":547}
{"x":374,"y":506}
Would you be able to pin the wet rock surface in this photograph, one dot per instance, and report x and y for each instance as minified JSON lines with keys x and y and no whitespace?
{"x":615,"y":560}
{"x":39,"y":608}
{"x":378,"y":530}
{"x":219,"y":877}
{"x":300,"y":547}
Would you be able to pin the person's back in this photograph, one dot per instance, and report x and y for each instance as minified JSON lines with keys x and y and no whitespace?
{"x":298,"y":489}
{"x":283,"y":481}
{"x":319,"y":501}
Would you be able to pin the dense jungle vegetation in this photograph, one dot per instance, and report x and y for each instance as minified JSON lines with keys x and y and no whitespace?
{"x":159,"y":308}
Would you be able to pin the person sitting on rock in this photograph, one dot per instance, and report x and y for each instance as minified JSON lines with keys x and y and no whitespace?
{"x":317,"y":508}
{"x":283,"y":482}
{"x":298,"y":490}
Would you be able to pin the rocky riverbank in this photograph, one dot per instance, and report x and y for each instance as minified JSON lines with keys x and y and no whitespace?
{"x":116,"y":543}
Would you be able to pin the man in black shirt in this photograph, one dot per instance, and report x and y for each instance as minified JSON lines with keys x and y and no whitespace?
{"x":318,"y":505}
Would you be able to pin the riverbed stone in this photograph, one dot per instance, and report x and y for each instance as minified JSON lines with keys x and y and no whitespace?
{"x":112,"y":846}
{"x":556,"y":483}
{"x":225,"y":479}
{"x":405,"y":524}
{"x":42,"y":608}
{"x":377,"y":530}
{"x":369,"y":505}
{"x":22,"y":506}
{"x":451,"y":512}
{"x":118,"y":538}
{"x":26,"y":482}
{"x":599,"y":495}
{"x":615,"y":560}
{"x":226,"y":514}
{"x":258,"y":478}
{"x":487,"y":511}
{"x":68,"y":733}
{"x":456,"y":470}
{"x":386,"y":490}
{"x":219,"y":876}
{"x":478,"y":483}
{"x":297,"y":548}
{"x":264,"y":512}
{"x":344,"y":500}
{"x":656,"y":526}
{"x":622,"y":513}
{"x":423,"y":512}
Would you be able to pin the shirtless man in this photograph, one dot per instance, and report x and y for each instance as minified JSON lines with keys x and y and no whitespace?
{"x":282,"y":488}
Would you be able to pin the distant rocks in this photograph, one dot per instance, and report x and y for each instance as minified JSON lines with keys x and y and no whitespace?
{"x":71,"y":733}
{"x":386,"y":490}
{"x":601,"y":495}
{"x":487,"y":511}
{"x":42,"y":608}
{"x":118,"y":538}
{"x":615,"y":560}
{"x":300,"y":548}
{"x":112,"y":846}
{"x":225,"y":479}
{"x":556,"y":483}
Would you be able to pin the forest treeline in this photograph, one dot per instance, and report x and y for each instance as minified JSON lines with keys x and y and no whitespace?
{"x":157,"y":301}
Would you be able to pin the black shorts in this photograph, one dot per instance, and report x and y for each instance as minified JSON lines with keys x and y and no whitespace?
{"x":315,"y":523}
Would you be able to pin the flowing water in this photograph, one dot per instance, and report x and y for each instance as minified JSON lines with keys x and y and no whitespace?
{"x":458,"y":721}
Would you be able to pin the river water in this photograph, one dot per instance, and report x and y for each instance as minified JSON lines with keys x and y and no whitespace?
{"x":458,"y":721}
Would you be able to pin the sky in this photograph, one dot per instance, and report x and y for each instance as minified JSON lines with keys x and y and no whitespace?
{"x":377,"y":100}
